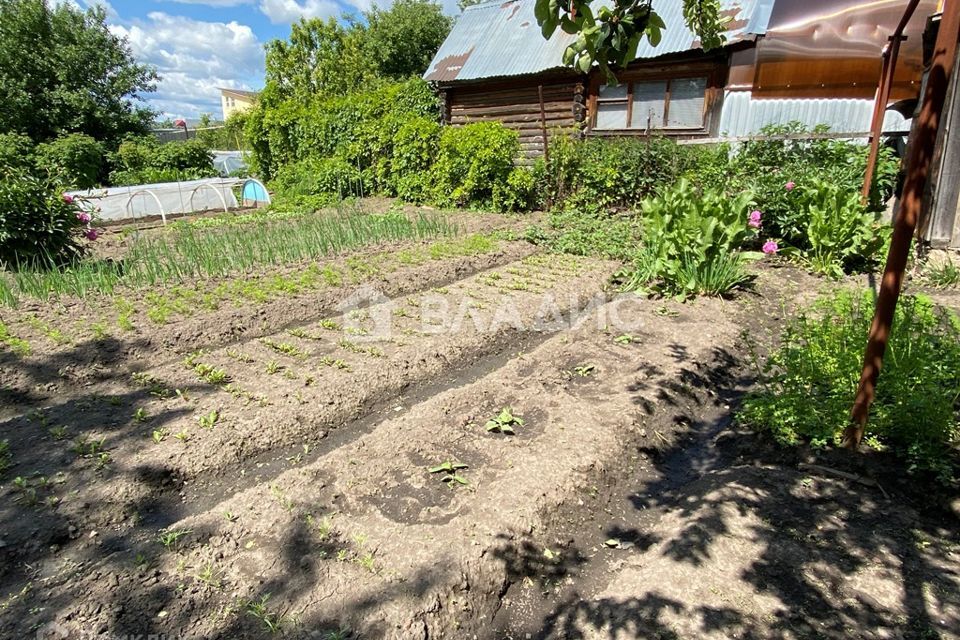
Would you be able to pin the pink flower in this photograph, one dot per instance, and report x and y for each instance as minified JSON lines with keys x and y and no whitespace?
{"x":83,"y":216}
{"x":68,"y":198}
{"x":790,"y":185}
{"x":91,"y":234}
{"x":755,"y":219}
{"x":770,"y":247}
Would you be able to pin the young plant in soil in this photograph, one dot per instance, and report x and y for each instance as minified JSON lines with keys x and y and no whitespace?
{"x":272,"y":621}
{"x":450,"y":471}
{"x":170,"y":537}
{"x":585,"y":370}
{"x":504,"y":422}
{"x":208,"y":421}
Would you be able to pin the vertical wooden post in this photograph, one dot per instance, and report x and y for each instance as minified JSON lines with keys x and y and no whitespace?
{"x":919,"y":161}
{"x":543,"y":125}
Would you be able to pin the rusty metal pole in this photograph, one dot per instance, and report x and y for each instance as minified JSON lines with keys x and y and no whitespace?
{"x":887,"y":74}
{"x":919,"y":160}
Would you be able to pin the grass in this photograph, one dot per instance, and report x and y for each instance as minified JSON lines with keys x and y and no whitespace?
{"x":945,"y":275}
{"x":5,"y":456}
{"x":192,"y":251}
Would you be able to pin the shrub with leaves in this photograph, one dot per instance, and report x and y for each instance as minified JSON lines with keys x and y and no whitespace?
{"x":74,"y":160}
{"x":39,"y":226}
{"x":472,"y":160}
{"x":516,"y":194}
{"x":692,"y":241}
{"x":809,"y":382}
{"x":766,"y":167}
{"x":317,"y":177}
{"x":414,"y":150}
{"x":146,"y":161}
{"x":603,"y":173}
{"x":16,"y":151}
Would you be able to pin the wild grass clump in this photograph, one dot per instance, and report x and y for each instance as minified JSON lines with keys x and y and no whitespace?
{"x":809,"y":382}
{"x":188,"y":252}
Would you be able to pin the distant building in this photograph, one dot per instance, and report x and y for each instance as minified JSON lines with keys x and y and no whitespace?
{"x":235,"y":101}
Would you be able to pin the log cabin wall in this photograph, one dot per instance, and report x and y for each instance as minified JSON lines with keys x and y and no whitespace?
{"x":517,"y":104}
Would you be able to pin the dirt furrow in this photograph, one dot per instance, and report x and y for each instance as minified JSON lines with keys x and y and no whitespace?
{"x":366,"y":538}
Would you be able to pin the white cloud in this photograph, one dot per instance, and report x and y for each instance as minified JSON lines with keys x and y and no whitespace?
{"x":195,"y":58}
{"x":214,"y":3}
{"x":287,"y":11}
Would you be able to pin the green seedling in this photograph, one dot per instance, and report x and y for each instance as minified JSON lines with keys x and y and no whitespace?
{"x":327,"y":361}
{"x":240,"y":356}
{"x":159,"y":435}
{"x":140,"y":415}
{"x":272,"y":622}
{"x":282,"y":347}
{"x":585,"y":370}
{"x":211,"y":375}
{"x":83,"y":446}
{"x":58,"y":433}
{"x":329,"y":325}
{"x":208,"y":421}
{"x":666,"y":313}
{"x":209,"y":576}
{"x":230,"y":516}
{"x":182,"y":436}
{"x":273,"y":367}
{"x":103,"y":461}
{"x":504,"y":422}
{"x":626,"y":339}
{"x":450,"y":471}
{"x":168,"y":538}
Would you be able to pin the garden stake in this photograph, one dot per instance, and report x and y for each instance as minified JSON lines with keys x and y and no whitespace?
{"x":919,"y":160}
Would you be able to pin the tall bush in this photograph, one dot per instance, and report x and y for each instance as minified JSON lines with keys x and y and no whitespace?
{"x":75,"y":160}
{"x":17,"y":151}
{"x":471,"y":160}
{"x":146,"y":161}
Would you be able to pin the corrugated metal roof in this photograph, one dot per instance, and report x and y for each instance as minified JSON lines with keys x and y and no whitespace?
{"x":498,"y":39}
{"x":744,"y":115}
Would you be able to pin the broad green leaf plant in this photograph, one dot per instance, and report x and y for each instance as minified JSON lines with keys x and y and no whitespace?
{"x":612,"y":34}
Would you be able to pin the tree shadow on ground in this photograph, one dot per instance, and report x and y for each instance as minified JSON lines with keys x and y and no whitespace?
{"x":826,"y":551}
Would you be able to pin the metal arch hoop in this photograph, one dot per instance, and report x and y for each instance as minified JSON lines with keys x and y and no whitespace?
{"x":205,"y":185}
{"x":146,"y":192}
{"x":259,"y":184}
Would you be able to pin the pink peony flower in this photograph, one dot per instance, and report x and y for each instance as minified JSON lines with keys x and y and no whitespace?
{"x":68,"y":198}
{"x":83,"y":216}
{"x":790,"y":185}
{"x":770,"y":247}
{"x":755,"y":219}
{"x":91,"y":234}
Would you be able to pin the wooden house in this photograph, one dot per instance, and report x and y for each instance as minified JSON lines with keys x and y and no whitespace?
{"x":812,"y":61}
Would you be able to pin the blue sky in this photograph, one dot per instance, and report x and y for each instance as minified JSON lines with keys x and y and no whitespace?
{"x":200,"y":45}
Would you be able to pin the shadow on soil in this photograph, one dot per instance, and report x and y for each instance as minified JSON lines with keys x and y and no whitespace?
{"x":818,"y":535}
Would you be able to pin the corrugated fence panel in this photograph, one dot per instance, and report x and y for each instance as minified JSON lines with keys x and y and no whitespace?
{"x":742,"y":115}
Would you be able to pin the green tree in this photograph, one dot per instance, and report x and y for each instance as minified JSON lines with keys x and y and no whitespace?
{"x":322,"y":57}
{"x":402,"y":40}
{"x":613,"y":34}
{"x":63,"y":71}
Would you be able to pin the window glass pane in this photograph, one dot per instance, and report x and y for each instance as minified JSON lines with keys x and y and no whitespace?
{"x":617,"y":92}
{"x":686,"y":103}
{"x":611,"y":115}
{"x":648,"y":104}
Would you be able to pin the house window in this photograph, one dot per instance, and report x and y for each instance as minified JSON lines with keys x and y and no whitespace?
{"x":675,"y":103}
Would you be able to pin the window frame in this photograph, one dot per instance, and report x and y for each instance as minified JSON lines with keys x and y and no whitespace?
{"x":712,"y":71}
